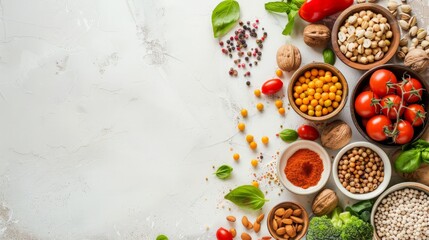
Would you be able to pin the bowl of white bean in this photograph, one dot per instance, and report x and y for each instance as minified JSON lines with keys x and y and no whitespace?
{"x":402,"y":212}
{"x":361,"y":170}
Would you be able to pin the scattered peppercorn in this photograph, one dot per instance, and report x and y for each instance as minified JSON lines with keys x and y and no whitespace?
{"x":248,"y":83}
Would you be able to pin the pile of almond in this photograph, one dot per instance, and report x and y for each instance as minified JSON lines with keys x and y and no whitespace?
{"x":287,"y":222}
{"x":256,"y":226}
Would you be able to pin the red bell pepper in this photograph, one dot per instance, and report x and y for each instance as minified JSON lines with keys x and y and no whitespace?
{"x":315,"y":10}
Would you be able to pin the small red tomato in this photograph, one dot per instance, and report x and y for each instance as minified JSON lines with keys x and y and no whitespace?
{"x":367,"y":104}
{"x":223,"y":234}
{"x":413,"y":90}
{"x":272,"y":86}
{"x":405,"y":132}
{"x":383,"y":82}
{"x":391,"y":106}
{"x":365,"y":121}
{"x":415,"y":114}
{"x":308,"y":132}
{"x":377,"y":127}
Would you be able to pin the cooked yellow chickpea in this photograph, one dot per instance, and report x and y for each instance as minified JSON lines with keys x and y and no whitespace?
{"x":303,"y":108}
{"x":244,"y":112}
{"x":298,"y":101}
{"x":334,"y":79}
{"x":318,"y":113}
{"x":314,"y":72}
{"x":253,"y":145}
{"x":324,"y":111}
{"x":338,"y":85}
{"x":337,"y":98}
{"x":311,"y":112}
{"x":254,"y":162}
{"x":265,"y":140}
{"x":305,"y":101}
{"x":278,"y":103}
{"x":260,"y":106}
{"x":236,"y":156}
{"x":332,"y":89}
{"x":241,"y":126}
{"x":255,"y":183}
{"x":331,"y":96}
{"x":307,"y":74}
{"x":249,"y":138}
{"x":257,"y":92}
{"x":282,"y":111}
{"x":335,"y":104}
{"x":301,"y":79}
{"x":279,"y":73}
{"x":328,"y":103}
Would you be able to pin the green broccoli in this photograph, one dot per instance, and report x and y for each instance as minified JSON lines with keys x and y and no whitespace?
{"x":355,"y":228}
{"x":321,"y":228}
{"x":340,"y":226}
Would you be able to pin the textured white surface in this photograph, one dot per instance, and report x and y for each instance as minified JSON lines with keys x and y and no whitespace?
{"x":114,"y":112}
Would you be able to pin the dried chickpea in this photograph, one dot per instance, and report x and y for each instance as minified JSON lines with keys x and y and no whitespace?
{"x":254,"y":162}
{"x":236,"y":156}
{"x":279,"y":103}
{"x":249,"y":138}
{"x":257,"y":92}
{"x":253,"y":145}
{"x":279,"y":73}
{"x":282,"y":111}
{"x":265,"y":140}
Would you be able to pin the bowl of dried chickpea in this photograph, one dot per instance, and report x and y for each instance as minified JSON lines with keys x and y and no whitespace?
{"x":361,"y":170}
{"x":318,"y":91}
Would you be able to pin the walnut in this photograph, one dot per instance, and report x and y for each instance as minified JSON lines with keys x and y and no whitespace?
{"x":336,"y":135}
{"x":288,"y":57}
{"x":417,"y":59}
{"x":317,"y":35}
{"x":325,"y":202}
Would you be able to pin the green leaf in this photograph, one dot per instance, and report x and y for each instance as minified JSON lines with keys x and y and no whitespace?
{"x":279,"y":7}
{"x":298,"y":3}
{"x":408,"y":161}
{"x":366,"y":216}
{"x":247,"y":196}
{"x":329,"y":56}
{"x":224,"y":17}
{"x":223,"y":171}
{"x":420,"y":144}
{"x":162,"y":237}
{"x":361,"y":209}
{"x":288,"y":135}
{"x":425,"y":156}
{"x":291,"y":21}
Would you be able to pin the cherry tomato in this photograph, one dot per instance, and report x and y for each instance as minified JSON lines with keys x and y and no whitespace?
{"x":391,"y":106}
{"x":413,"y":90}
{"x":415,"y":114}
{"x":272,"y":86}
{"x":366,"y":104}
{"x":382,"y":82}
{"x":405,"y":132}
{"x":308,"y":132}
{"x":377,"y":127}
{"x":223,"y":234}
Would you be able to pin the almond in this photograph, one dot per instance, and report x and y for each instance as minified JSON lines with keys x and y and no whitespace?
{"x":275,"y":225}
{"x":256,"y":227}
{"x":245,"y":236}
{"x":250,"y":225}
{"x":230,"y":218}
{"x":299,"y":228}
{"x":297,"y":219}
{"x":290,"y":231}
{"x":297,"y":212}
{"x":260,"y":218}
{"x":288,"y":213}
{"x":287,"y":221}
{"x":281,"y":231}
{"x":233,"y":232}
{"x":280,"y":212}
{"x":245,"y":221}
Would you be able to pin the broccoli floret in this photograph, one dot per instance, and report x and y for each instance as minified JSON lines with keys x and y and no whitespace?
{"x":335,"y":218}
{"x":354,"y":228}
{"x":321,"y":228}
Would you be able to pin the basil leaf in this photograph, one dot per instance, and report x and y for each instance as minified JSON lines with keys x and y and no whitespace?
{"x":360,"y":207}
{"x":224,"y":17}
{"x":298,"y":3}
{"x":162,"y":237}
{"x":291,"y":21}
{"x":425,"y":156}
{"x":420,"y":144}
{"x":365,"y":215}
{"x":288,"y":135}
{"x":408,"y":161}
{"x":247,"y":196}
{"x":223,"y":171}
{"x":278,"y":7}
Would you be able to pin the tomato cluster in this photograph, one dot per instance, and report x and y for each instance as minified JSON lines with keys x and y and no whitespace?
{"x":390,"y":108}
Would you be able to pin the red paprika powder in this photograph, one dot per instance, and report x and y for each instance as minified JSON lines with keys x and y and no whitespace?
{"x":304,"y":168}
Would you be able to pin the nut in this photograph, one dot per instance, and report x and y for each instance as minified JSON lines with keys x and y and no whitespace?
{"x":245,"y":236}
{"x":245,"y":221}
{"x":401,"y":55}
{"x":413,"y":31}
{"x":404,"y":16}
{"x":405,"y":8}
{"x":403,"y":42}
{"x":230,"y":218}
{"x":417,"y":59}
{"x":317,"y":35}
{"x":421,"y":35}
{"x":256,"y":227}
{"x":337,"y":133}
{"x":404,"y":24}
{"x":290,"y":231}
{"x":325,"y":202}
{"x":288,"y":57}
{"x":413,"y":21}
{"x":392,"y":5}
{"x":233,"y":232}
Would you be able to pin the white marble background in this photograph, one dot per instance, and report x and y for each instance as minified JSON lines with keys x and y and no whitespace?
{"x":113,"y":113}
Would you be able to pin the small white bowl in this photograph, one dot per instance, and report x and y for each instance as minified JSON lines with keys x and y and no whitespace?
{"x":289,"y":151}
{"x":399,"y":186}
{"x":387,"y":171}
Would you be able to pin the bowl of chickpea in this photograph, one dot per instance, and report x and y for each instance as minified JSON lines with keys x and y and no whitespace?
{"x":318,"y":91}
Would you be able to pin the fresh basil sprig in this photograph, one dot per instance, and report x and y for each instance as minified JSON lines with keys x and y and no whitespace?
{"x":247,"y":196}
{"x":223,"y":171}
{"x":224,"y":17}
{"x":289,"y":7}
{"x":361,"y":209}
{"x":412,"y":156}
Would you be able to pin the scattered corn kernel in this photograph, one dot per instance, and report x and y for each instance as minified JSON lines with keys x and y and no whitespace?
{"x":241,"y":126}
{"x":249,"y":138}
{"x":253,"y":145}
{"x":244,"y":112}
{"x":282,"y":111}
{"x":260,"y":106}
{"x":257,"y":92}
{"x":254,"y":162}
{"x":279,"y":73}
{"x":236,"y":156}
{"x":265,"y":140}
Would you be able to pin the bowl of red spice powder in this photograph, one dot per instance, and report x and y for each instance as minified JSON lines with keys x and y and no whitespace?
{"x":304,"y":167}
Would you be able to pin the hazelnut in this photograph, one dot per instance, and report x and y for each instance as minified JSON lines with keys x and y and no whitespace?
{"x":288,"y":57}
{"x":317,"y":35}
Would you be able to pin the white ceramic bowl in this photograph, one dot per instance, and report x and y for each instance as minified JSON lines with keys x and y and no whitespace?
{"x":287,"y":153}
{"x":387,"y":171}
{"x":394,"y":188}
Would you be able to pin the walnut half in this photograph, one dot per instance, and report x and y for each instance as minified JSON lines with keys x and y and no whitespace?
{"x":288,"y":57}
{"x":417,"y":59}
{"x":317,"y":35}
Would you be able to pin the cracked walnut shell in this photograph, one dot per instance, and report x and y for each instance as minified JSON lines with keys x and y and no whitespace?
{"x":317,"y":35}
{"x":417,"y":59}
{"x":288,"y":57}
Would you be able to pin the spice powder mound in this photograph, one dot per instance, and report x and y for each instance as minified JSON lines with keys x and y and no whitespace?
{"x":304,"y":168}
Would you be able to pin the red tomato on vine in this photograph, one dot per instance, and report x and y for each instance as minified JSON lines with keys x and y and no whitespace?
{"x":383,"y":82}
{"x":415,"y":114}
{"x":412,"y":90}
